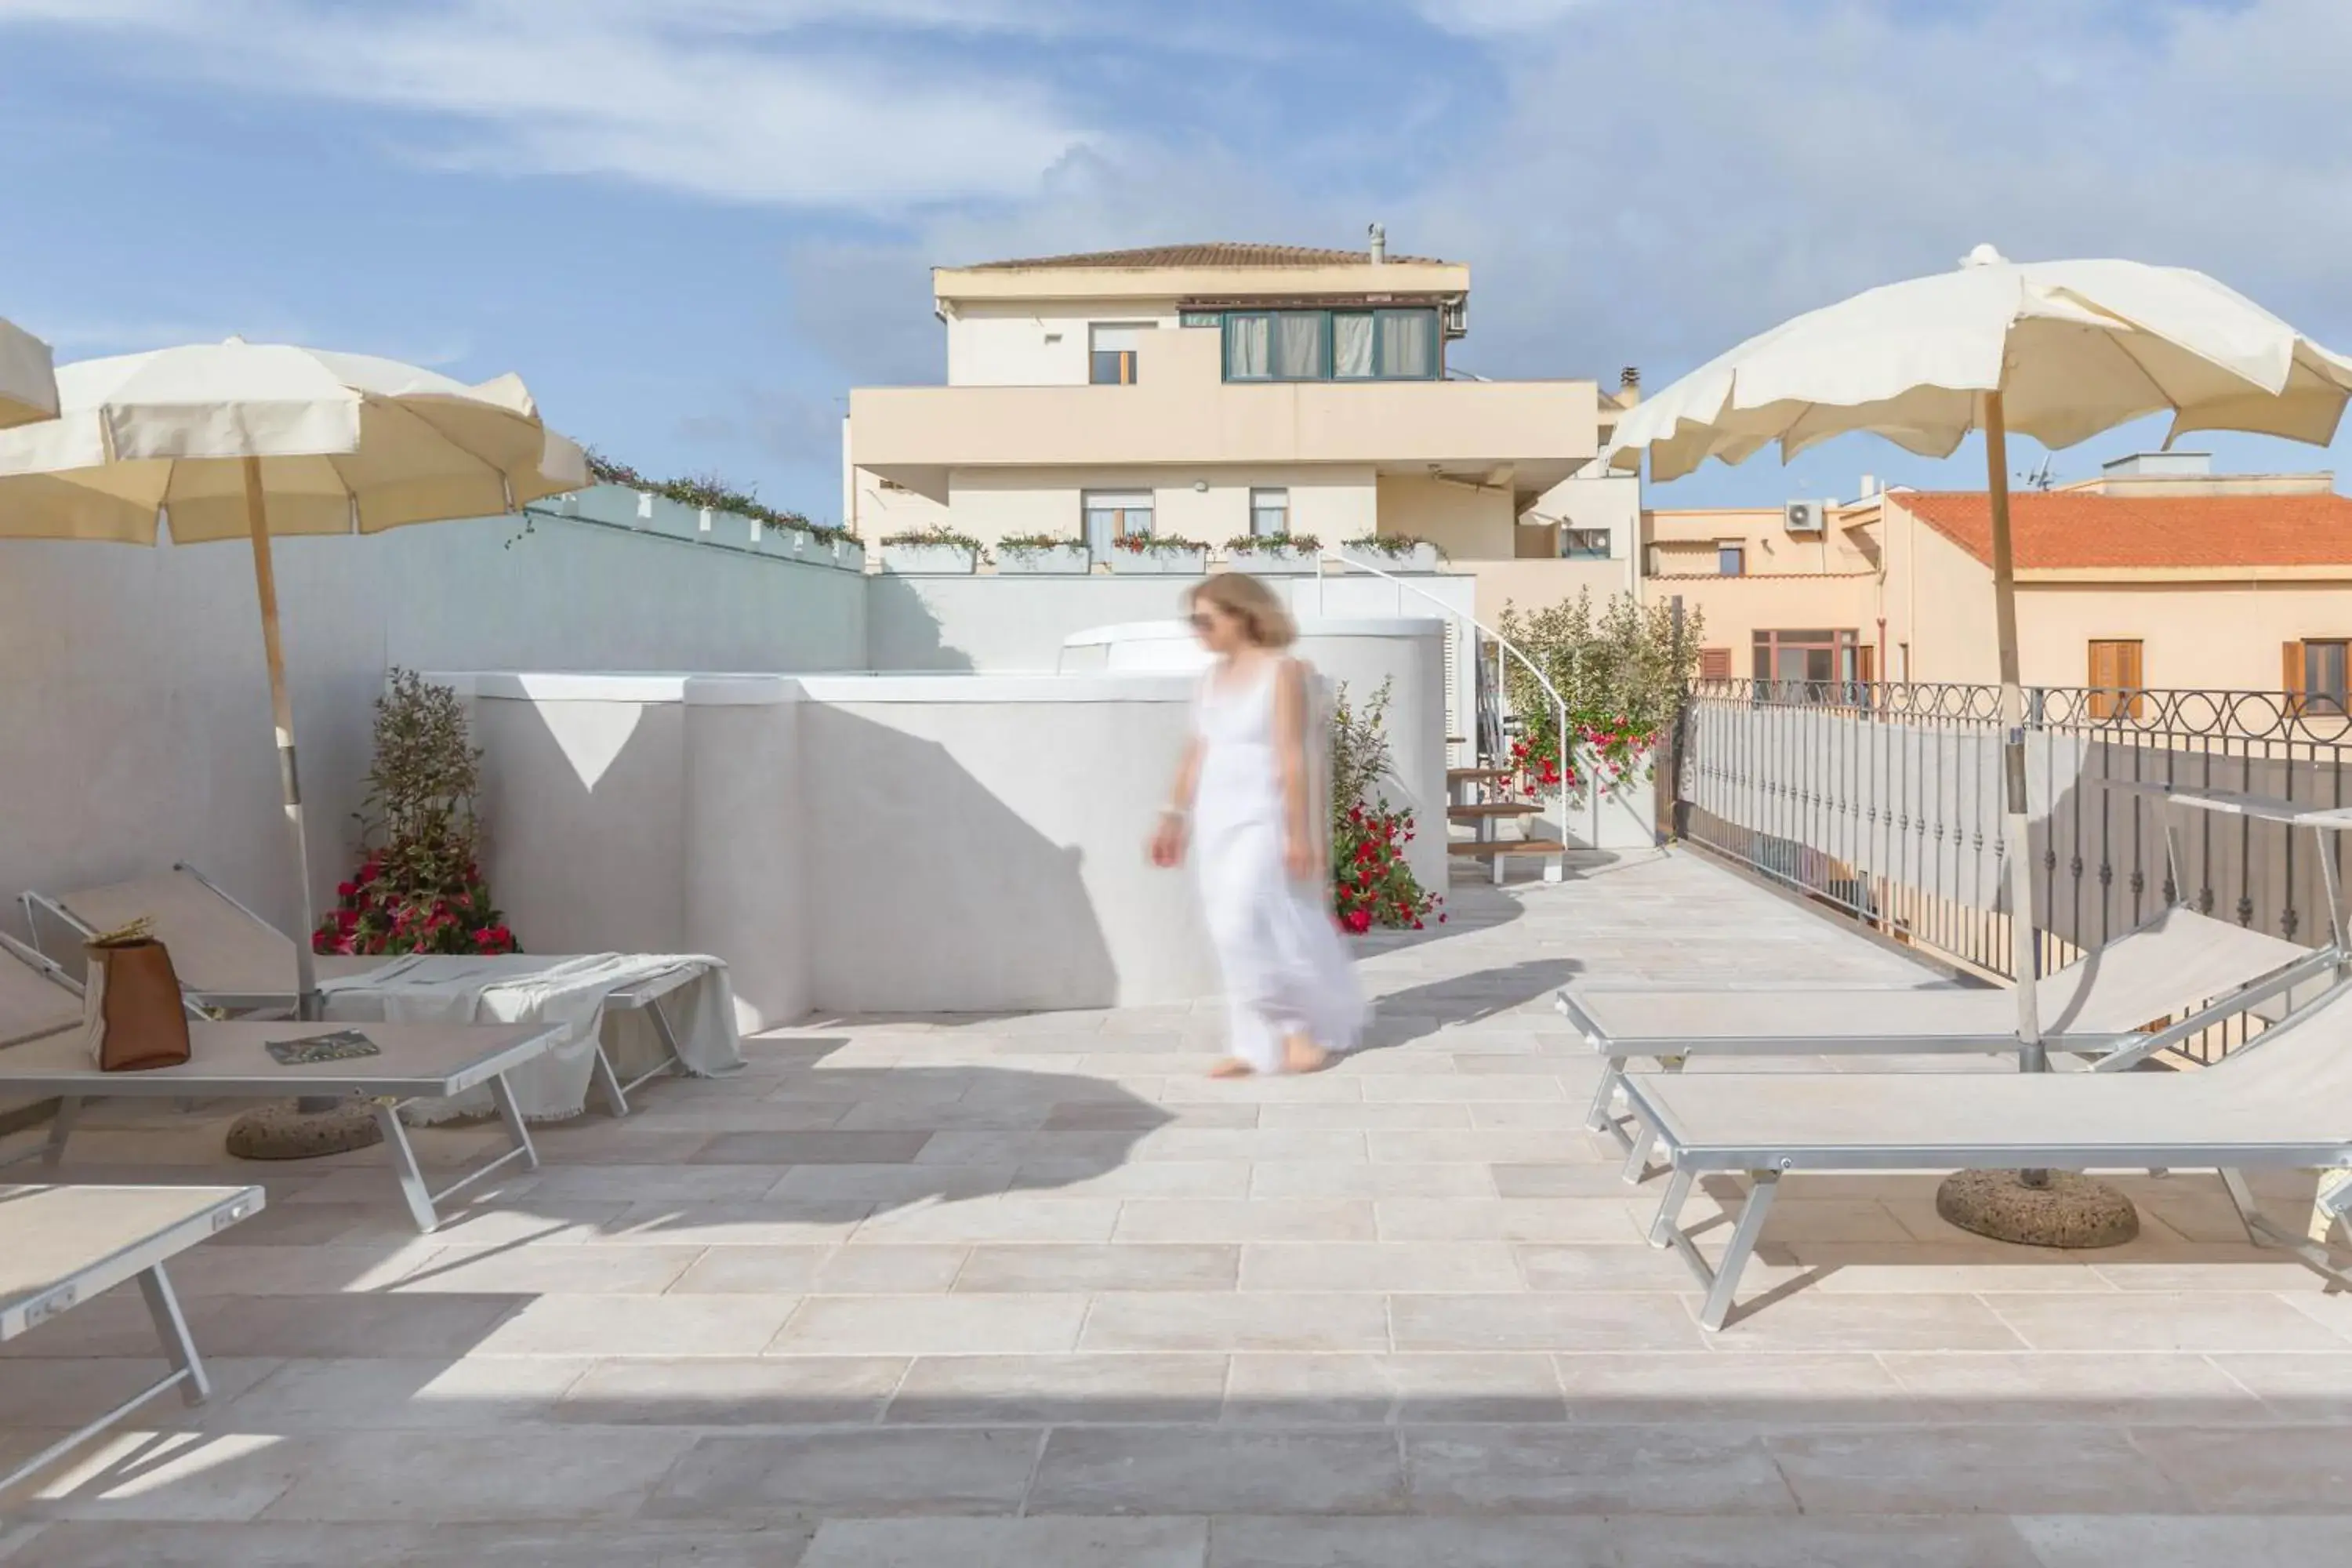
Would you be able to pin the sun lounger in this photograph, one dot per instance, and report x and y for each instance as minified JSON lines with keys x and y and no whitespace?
{"x":2180,"y":964}
{"x":232,"y":1061}
{"x":59,"y":1246}
{"x":2283,"y":1101}
{"x":230,"y":959}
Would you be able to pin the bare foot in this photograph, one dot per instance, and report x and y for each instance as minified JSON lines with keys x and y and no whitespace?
{"x":1231,"y":1066}
{"x":1301,"y":1055}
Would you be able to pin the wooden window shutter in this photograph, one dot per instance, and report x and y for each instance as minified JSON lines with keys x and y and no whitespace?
{"x":2127,"y":676}
{"x":2291,"y":665}
{"x":1715,"y":664}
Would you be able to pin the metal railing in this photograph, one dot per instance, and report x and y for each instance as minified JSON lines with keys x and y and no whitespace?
{"x":1882,"y":801}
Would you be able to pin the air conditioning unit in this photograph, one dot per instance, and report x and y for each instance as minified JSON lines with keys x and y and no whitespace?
{"x":1805,"y":516}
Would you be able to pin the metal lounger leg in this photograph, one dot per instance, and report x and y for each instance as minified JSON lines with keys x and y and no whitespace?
{"x":2311,"y":1248}
{"x":1678,"y":1191}
{"x":172,"y":1328}
{"x":608,"y":1082}
{"x":404,"y":1166}
{"x":1742,"y":1247}
{"x":61,"y":1127}
{"x":511,"y":1112}
{"x":187,"y":1375}
{"x":1638,"y":1140}
{"x":1603,"y":1118}
{"x":674,"y":1061}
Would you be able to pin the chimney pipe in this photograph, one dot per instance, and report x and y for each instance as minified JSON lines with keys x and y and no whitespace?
{"x":1380,"y":244}
{"x":1628,"y":385}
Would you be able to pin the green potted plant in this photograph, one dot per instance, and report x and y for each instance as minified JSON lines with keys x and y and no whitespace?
{"x":931,"y":551}
{"x":1042,"y":555}
{"x":1392,"y":552}
{"x":1274,"y":554}
{"x":1159,"y":555}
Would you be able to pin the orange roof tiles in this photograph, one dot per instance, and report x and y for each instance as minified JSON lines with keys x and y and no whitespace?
{"x":2058,"y":531}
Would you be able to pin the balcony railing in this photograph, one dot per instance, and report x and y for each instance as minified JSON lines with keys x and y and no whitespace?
{"x":1882,"y":801}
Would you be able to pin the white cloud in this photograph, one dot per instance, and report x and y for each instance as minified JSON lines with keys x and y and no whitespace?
{"x":732,"y":100}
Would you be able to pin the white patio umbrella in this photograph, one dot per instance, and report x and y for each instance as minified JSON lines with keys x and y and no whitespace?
{"x":28,"y":389}
{"x":2059,"y":350}
{"x":239,"y":440}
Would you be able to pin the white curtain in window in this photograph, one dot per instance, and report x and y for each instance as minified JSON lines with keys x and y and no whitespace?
{"x":1246,"y":346}
{"x":1406,"y":348}
{"x":1351,"y":347}
{"x":1298,"y":344}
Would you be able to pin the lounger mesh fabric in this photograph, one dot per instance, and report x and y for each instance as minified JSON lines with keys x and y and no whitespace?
{"x":31,"y":1003}
{"x":216,"y":948}
{"x":2174,"y":963}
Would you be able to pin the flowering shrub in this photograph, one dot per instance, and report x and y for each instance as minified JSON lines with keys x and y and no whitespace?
{"x":1395,"y":546}
{"x":420,"y":887}
{"x":1156,"y":544}
{"x":1622,"y":673}
{"x":934,"y":538}
{"x":1372,"y":885}
{"x":1617,"y":746}
{"x":1037,"y":545}
{"x":1273,"y":543}
{"x":709,"y":491}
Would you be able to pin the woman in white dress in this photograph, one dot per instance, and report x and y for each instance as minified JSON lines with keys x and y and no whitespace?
{"x":1245,"y":810}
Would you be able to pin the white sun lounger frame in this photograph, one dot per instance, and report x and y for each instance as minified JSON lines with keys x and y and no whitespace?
{"x":112,"y":1258}
{"x":1692,"y":1153}
{"x":52,"y":1066}
{"x":645,"y":995}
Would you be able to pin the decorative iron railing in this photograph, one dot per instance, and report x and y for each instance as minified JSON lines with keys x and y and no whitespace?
{"x":1882,"y":801}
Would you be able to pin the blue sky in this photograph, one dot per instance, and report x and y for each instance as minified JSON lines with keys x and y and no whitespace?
{"x":692,"y":224}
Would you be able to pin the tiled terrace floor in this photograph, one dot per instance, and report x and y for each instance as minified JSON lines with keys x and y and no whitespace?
{"x":1032,"y":1292}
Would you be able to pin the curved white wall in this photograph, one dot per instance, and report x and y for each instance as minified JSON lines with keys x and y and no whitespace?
{"x":1408,"y":653}
{"x":852,"y":844}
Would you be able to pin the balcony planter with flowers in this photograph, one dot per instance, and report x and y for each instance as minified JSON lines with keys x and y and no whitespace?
{"x":1393,"y":552}
{"x":931,"y":551}
{"x":1274,"y":554}
{"x":1161,"y":555}
{"x":1042,"y":555}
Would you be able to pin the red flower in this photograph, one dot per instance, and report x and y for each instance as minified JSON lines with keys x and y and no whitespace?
{"x":347,"y":889}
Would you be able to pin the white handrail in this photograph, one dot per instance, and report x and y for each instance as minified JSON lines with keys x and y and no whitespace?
{"x":1558,"y":703}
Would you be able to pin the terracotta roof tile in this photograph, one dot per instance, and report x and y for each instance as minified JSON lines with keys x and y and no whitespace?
{"x":1215,"y":253}
{"x":2058,"y":531}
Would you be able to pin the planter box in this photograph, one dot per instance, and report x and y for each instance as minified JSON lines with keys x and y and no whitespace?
{"x":1062,"y":561}
{"x":1160,"y":562}
{"x":605,"y":503}
{"x":929,"y":560}
{"x":849,"y":554}
{"x":1421,"y":560}
{"x":1271,"y":562}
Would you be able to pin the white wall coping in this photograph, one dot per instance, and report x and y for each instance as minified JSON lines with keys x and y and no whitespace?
{"x":757,"y":691}
{"x":1166,"y":631}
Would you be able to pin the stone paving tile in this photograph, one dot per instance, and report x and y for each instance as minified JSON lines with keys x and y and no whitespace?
{"x":1292,"y":1390}
{"x":574,"y":1475}
{"x":2273,"y":1470}
{"x":1957,"y":1468}
{"x":1382,"y":1267}
{"x":1542,"y":1323}
{"x":1650,"y":1540}
{"x":1061,"y":1389}
{"x":1247,"y":1220}
{"x":1306,"y":1179}
{"x":1509,"y":1219}
{"x":1207,"y":1470}
{"x":1691,"y":1386}
{"x":1593,"y":1469}
{"x":851,"y":1473}
{"x":640,"y":1325}
{"x":715,"y":1391}
{"x":1012,"y":1266}
{"x":822,"y":1270}
{"x":932,"y":1325}
{"x":1243,"y":1320}
{"x":2177,"y":1542}
{"x":412,"y":1394}
{"x":2205,"y":1320}
{"x":1011,"y":1543}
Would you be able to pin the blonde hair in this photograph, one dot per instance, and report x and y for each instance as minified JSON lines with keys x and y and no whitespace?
{"x":1262,"y":617}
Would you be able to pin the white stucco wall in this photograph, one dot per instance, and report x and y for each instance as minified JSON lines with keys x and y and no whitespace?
{"x":1037,"y":343}
{"x":850,"y":843}
{"x":1209,"y":504}
{"x":135,"y":713}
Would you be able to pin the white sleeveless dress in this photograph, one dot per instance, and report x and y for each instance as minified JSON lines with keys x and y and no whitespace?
{"x":1285,"y":968}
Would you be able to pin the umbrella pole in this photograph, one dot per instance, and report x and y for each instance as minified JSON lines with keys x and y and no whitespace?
{"x":281,"y":712}
{"x":313,"y":1126}
{"x":2029,"y":1207}
{"x":2016,"y":824}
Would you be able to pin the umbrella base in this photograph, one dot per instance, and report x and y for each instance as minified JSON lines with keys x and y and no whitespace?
{"x":2071,"y":1212}
{"x":286,"y":1130}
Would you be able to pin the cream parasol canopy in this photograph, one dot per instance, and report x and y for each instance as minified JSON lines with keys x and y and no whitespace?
{"x":240,"y":440}
{"x":28,"y":389}
{"x":2058,"y":349}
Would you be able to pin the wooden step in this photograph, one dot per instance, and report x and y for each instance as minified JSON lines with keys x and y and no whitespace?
{"x":1475,"y":812}
{"x":1476,"y":775}
{"x":1473,"y":851}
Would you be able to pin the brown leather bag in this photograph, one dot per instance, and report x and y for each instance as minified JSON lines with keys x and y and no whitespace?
{"x":132,"y":1016}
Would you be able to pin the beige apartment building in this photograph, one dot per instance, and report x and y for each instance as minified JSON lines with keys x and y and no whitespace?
{"x":2160,"y":573}
{"x":1213,"y":390}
